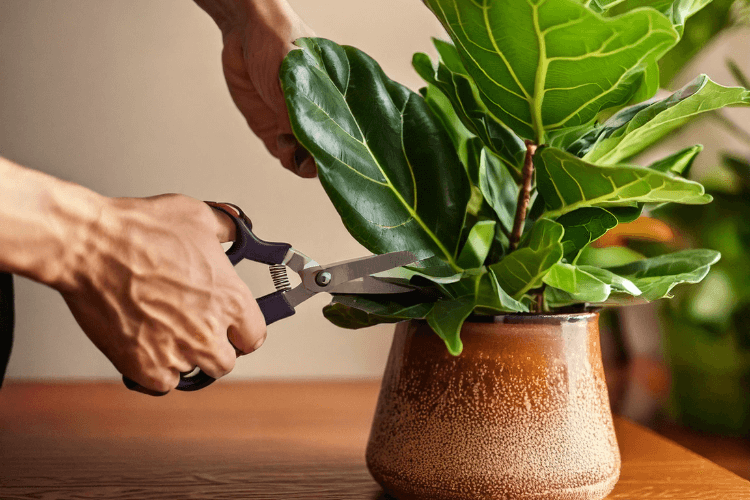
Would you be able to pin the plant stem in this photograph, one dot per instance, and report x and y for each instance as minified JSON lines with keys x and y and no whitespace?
{"x":540,"y":301}
{"x":523,"y":195}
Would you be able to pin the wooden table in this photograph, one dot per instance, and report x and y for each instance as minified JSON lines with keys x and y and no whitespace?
{"x":269,"y":440}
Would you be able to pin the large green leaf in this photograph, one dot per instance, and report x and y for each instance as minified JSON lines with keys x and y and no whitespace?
{"x":589,"y":282}
{"x":353,"y":311}
{"x":447,"y":317}
{"x":618,"y":283}
{"x":524,"y":268}
{"x":443,"y":109}
{"x":478,"y":293}
{"x":653,"y":122}
{"x":477,"y":245}
{"x":454,"y":82}
{"x":498,"y":188}
{"x":579,"y":284}
{"x":488,"y":295}
{"x":546,"y":65}
{"x":694,"y":36}
{"x":468,"y":146}
{"x":568,"y":183}
{"x":589,"y":139}
{"x":678,"y":163}
{"x":571,"y":285}
{"x":583,"y":226}
{"x":383,"y":158}
{"x":354,"y":319}
{"x":655,"y":277}
{"x":676,"y":10}
{"x":608,"y":256}
{"x":472,"y":291}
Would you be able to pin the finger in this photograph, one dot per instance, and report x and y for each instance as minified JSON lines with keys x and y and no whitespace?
{"x":156,"y":382}
{"x":226,"y":230}
{"x":291,"y":154}
{"x":305,"y":163}
{"x":249,"y":330}
{"x":134,"y":386}
{"x":286,"y":145}
{"x":219,"y":359}
{"x":301,"y":162}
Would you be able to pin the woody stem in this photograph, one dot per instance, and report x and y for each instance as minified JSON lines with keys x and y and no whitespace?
{"x":524,"y":195}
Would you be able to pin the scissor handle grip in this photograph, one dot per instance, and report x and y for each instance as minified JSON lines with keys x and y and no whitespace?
{"x":248,"y":246}
{"x":273,"y":306}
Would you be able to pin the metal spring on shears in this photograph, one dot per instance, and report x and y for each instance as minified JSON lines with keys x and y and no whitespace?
{"x":279,"y":277}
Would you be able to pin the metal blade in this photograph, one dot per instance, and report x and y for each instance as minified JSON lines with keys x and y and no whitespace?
{"x":358,"y":268}
{"x":342,"y":272}
{"x":369,"y":284}
{"x":298,"y":295}
{"x":326,"y":279}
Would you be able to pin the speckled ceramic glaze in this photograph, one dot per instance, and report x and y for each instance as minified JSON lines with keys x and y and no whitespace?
{"x":522,"y":413}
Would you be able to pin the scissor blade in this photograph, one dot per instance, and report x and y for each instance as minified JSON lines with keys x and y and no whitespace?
{"x":369,"y":284}
{"x":359,"y":268}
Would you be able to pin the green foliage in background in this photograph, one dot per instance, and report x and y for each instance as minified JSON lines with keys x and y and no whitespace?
{"x":439,"y":172}
{"x":708,"y":332}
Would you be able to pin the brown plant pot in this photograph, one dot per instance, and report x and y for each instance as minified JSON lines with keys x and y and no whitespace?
{"x":522,"y":413}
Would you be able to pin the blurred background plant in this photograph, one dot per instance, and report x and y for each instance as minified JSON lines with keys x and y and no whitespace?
{"x":707,"y":329}
{"x":697,"y":374}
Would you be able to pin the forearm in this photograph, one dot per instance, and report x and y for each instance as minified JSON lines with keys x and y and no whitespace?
{"x":45,"y":225}
{"x":229,"y":13}
{"x":223,"y":12}
{"x":257,"y":35}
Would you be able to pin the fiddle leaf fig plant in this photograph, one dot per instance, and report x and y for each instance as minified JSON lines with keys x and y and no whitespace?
{"x":511,"y":162}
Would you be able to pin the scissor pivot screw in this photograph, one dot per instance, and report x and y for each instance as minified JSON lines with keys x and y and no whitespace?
{"x":323,"y":278}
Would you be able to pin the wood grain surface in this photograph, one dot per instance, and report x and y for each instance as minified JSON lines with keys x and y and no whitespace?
{"x":269,"y":440}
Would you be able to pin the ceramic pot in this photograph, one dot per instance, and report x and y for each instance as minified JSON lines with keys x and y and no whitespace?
{"x":522,"y":413}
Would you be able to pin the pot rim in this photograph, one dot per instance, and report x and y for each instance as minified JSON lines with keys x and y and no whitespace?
{"x":535,"y":318}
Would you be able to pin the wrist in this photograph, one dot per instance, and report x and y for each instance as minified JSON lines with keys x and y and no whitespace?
{"x":78,"y":213}
{"x":275,"y":14}
{"x":231,"y":14}
{"x":225,"y":13}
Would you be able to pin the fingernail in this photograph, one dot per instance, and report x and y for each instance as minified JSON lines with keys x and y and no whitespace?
{"x":300,"y":155}
{"x":284,"y":141}
{"x":259,"y":343}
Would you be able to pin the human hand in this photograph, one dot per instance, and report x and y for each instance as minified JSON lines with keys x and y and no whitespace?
{"x":258,"y":34}
{"x":157,"y":295}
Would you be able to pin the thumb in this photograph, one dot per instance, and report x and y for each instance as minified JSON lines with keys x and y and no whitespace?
{"x":225,"y":227}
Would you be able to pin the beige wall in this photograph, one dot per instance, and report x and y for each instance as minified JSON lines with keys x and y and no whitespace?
{"x":128,"y":98}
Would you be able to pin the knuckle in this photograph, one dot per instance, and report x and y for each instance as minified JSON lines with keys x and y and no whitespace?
{"x":164,"y":382}
{"x":225,"y":360}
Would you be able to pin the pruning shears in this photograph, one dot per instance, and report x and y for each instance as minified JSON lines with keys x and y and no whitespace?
{"x":347,"y":277}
